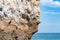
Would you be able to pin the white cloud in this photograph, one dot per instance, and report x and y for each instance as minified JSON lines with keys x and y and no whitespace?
{"x":50,"y":3}
{"x":49,"y":12}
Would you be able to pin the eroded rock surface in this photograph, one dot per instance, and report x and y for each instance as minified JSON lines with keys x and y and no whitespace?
{"x":19,"y":19}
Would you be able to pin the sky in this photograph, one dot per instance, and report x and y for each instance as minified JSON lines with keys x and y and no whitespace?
{"x":49,"y":16}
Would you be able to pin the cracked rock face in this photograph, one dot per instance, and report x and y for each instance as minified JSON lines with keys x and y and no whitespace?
{"x":19,"y":19}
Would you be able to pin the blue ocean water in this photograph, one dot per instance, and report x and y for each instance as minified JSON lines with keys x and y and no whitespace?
{"x":46,"y":36}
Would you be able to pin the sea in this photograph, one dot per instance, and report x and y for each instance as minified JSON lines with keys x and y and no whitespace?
{"x":46,"y":36}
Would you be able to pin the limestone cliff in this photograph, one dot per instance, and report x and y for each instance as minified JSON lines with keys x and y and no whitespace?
{"x":19,"y":19}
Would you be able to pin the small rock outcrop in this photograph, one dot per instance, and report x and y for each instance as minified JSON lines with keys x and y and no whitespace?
{"x":19,"y":19}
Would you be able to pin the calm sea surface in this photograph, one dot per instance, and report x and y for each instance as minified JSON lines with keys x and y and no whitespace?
{"x":46,"y":36}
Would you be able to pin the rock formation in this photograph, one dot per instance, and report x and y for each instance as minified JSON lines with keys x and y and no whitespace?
{"x":19,"y":19}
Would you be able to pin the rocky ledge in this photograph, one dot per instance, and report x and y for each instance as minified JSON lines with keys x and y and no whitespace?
{"x":19,"y":19}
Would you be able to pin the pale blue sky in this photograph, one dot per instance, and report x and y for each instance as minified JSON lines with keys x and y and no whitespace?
{"x":49,"y":16}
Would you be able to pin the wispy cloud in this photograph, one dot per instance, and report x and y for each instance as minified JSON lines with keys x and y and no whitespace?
{"x":49,"y":12}
{"x":50,"y":3}
{"x":50,"y":7}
